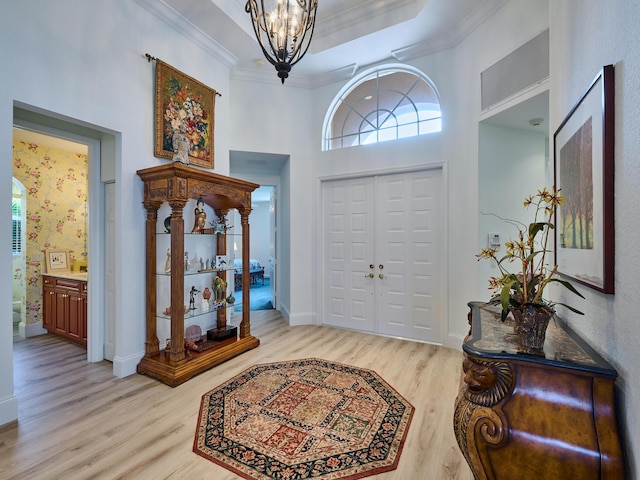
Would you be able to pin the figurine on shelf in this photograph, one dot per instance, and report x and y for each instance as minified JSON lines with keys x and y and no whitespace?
{"x":186,"y":261}
{"x":200,"y":217}
{"x":167,"y":263}
{"x":220,"y":225}
{"x":220,"y":287}
{"x":206,"y":295}
{"x":181,"y":147}
{"x":194,"y":262}
{"x":221,"y":262}
{"x":192,"y":298}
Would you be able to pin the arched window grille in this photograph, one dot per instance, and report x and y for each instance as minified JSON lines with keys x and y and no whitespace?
{"x":383,"y":104}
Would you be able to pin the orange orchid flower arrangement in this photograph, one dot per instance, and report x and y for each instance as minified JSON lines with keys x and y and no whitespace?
{"x":526,"y":287}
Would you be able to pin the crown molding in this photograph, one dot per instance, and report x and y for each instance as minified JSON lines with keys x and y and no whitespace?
{"x":361,"y":13}
{"x":180,"y":24}
{"x":269,"y":76}
{"x":451,"y":39}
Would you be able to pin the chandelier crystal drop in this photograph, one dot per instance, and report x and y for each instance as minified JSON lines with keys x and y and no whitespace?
{"x":284,"y":29}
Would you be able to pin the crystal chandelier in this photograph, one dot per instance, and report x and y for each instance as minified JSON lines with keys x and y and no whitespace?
{"x":284,"y":29}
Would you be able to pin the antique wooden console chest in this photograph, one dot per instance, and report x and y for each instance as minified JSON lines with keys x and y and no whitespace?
{"x":524,"y":416}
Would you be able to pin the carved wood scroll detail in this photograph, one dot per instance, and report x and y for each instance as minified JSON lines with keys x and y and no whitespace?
{"x":479,"y":421}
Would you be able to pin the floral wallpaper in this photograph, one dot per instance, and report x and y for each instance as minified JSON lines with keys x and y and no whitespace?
{"x":56,"y":186}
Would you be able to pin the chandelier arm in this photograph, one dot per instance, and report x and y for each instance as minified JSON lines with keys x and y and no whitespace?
{"x":271,"y":39}
{"x":252,"y":8}
{"x":312,"y":27}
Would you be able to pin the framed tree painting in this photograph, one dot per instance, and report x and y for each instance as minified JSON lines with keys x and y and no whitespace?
{"x":184,"y":108}
{"x":584,"y":171}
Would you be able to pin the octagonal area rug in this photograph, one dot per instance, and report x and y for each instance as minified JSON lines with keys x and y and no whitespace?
{"x":303,"y":419}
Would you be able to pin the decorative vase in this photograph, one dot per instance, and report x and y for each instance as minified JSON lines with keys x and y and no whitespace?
{"x":531,"y":326}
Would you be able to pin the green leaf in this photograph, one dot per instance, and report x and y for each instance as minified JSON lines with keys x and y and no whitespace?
{"x":505,"y":294}
{"x":570,"y":308}
{"x":535,"y":228}
{"x":567,"y":285}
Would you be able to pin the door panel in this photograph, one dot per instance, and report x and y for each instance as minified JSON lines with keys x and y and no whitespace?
{"x":410,"y":296}
{"x":383,"y":254}
{"x":348,"y":223}
{"x":75,"y":327}
{"x":62,"y":313}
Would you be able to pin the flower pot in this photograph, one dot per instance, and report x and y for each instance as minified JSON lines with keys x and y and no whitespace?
{"x":531,"y":327}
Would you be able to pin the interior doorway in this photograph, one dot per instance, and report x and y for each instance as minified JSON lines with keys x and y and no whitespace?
{"x":18,"y":254}
{"x":101,"y":147}
{"x":53,"y":173}
{"x":513,"y":163}
{"x":271,"y":172}
{"x":263,"y":236}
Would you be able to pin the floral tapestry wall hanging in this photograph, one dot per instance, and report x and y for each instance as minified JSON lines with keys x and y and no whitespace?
{"x":184,"y":116}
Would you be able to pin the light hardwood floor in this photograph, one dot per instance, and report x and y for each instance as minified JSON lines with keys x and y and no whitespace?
{"x":77,"y":421}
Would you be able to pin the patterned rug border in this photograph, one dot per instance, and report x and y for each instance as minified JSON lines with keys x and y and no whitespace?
{"x":238,"y":378}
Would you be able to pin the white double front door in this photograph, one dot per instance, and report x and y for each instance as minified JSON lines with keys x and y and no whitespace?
{"x":383,"y":254}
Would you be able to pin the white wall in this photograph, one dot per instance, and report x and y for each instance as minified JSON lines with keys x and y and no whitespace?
{"x":456,"y":75}
{"x":275,"y":118}
{"x":511,"y":166}
{"x":260,"y":234}
{"x":85,"y":61}
{"x":585,"y":35}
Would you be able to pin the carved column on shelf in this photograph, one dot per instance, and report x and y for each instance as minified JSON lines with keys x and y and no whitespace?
{"x":221,"y":249}
{"x":152,"y":345}
{"x":245,"y":325}
{"x":176,"y":350}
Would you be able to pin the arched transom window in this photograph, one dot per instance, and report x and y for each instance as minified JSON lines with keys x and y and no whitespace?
{"x":385,"y":104}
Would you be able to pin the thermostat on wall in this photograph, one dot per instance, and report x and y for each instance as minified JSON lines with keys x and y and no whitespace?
{"x":494,"y":240}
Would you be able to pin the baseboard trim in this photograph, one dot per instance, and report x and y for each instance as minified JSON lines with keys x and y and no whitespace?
{"x":27,"y":330}
{"x":454,"y":341}
{"x":302,"y":319}
{"x":8,"y":410}
{"x":123,"y":367}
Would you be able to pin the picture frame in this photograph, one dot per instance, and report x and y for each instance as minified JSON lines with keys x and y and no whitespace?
{"x":184,"y":104}
{"x":584,"y":173}
{"x":57,"y":261}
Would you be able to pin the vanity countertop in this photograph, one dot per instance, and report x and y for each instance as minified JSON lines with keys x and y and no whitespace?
{"x":70,"y":275}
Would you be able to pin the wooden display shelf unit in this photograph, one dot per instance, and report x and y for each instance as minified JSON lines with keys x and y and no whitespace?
{"x":176,"y":184}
